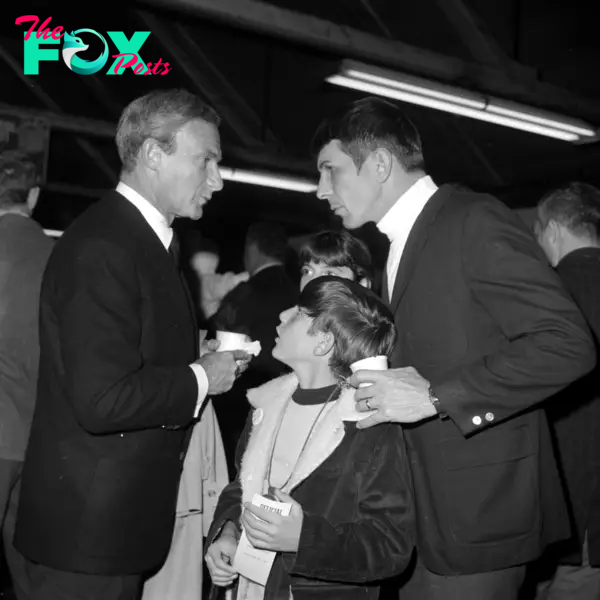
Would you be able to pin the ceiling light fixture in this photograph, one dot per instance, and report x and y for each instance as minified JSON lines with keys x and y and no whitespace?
{"x":423,"y":92}
{"x":281,"y":182}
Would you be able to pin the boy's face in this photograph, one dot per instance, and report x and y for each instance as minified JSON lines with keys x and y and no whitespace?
{"x":312,"y":270}
{"x":294,"y":343}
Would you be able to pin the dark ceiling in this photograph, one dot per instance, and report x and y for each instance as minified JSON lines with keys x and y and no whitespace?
{"x":262,"y":65}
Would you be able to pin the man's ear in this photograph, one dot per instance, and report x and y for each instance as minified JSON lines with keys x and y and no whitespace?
{"x":150,"y":154}
{"x":384,"y":161}
{"x":325,"y":343}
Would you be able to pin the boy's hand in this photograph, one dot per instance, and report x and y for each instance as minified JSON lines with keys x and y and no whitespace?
{"x":278,"y":533}
{"x":219,"y":559}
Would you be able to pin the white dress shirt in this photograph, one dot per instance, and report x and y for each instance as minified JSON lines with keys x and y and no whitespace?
{"x":398,"y":222}
{"x":159,"y":225}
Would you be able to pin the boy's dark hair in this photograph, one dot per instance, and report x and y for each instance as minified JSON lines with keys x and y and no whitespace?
{"x":338,"y":249}
{"x":367,"y":125}
{"x":361,"y":324}
{"x":576,"y":206}
{"x":269,"y":238}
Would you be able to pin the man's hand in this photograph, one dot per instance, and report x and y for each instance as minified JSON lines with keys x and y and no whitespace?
{"x":221,"y":369}
{"x":219,"y":558}
{"x":397,"y":395}
{"x":278,"y":533}
{"x":207,"y":346}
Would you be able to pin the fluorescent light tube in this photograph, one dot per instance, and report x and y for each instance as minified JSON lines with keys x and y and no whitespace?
{"x":281,"y":182}
{"x":416,"y":90}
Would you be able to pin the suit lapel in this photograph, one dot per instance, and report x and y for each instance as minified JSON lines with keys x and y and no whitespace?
{"x":414,"y":245}
{"x":157,"y":254}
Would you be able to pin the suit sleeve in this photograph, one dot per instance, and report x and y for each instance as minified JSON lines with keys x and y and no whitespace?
{"x":379,"y":541}
{"x":548,"y":344}
{"x":229,"y":507}
{"x":109,"y":386}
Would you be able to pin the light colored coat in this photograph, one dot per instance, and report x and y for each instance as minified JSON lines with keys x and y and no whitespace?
{"x":204,"y":477}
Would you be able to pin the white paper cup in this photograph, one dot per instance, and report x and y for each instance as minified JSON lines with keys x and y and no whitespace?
{"x":373,"y":363}
{"x":231,"y":341}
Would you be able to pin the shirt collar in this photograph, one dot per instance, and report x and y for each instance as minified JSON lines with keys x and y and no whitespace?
{"x":151,"y":214}
{"x":408,"y":207}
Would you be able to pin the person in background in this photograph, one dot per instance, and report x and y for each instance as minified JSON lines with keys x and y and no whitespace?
{"x":253,"y":308}
{"x":24,"y":252}
{"x":486,"y":333}
{"x":352,"y":518}
{"x":335,"y":253}
{"x":568,"y":230}
{"x":120,"y":376}
{"x":213,"y":286}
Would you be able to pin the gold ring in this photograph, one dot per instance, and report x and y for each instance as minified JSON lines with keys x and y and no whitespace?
{"x":367,"y":404}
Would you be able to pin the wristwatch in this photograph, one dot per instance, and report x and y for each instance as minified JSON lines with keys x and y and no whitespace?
{"x":436,"y":403}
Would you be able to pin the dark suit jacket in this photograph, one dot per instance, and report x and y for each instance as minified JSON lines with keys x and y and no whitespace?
{"x":483,"y":317}
{"x":24,"y":251}
{"x":117,"y":334}
{"x":574,"y":416}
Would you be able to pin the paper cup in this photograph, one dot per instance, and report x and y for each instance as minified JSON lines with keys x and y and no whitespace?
{"x":373,"y":363}
{"x":231,"y":341}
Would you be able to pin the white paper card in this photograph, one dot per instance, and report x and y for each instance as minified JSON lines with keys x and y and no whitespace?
{"x":251,"y":562}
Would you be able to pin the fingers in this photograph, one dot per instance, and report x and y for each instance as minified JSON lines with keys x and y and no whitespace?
{"x":241,"y":355}
{"x":366,"y":376}
{"x":367,"y":405}
{"x":217,"y":575}
{"x":213,"y":345}
{"x":374,"y":419}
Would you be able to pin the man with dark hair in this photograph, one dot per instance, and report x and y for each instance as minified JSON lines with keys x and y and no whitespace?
{"x":120,"y":380}
{"x":253,"y":308}
{"x":486,"y":332}
{"x":24,"y":252}
{"x":568,"y":230}
{"x":352,"y":518}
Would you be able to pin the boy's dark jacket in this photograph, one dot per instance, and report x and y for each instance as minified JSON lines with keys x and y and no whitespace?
{"x":355,"y":491}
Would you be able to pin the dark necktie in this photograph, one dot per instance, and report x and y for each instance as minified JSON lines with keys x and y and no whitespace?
{"x":174,"y":249}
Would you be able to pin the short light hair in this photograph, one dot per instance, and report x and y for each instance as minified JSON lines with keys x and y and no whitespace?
{"x":576,"y":206}
{"x":158,"y":115}
{"x":18,"y":174}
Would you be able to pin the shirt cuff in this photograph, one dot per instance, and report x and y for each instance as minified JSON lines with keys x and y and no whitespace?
{"x":202,"y":380}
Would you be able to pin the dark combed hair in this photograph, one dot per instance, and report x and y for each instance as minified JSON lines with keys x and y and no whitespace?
{"x":370,"y":124}
{"x":338,"y":249}
{"x":576,"y":206}
{"x":18,"y":174}
{"x":158,"y":115}
{"x":269,"y":238}
{"x":361,"y":324}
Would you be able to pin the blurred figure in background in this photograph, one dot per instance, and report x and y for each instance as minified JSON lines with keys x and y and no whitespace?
{"x":24,"y":252}
{"x":335,"y":253}
{"x":213,"y":286}
{"x":568,"y":230}
{"x":253,"y":308}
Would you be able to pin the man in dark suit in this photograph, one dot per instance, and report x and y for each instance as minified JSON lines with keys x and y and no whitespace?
{"x":568,"y":230}
{"x":120,"y":380}
{"x":486,"y":332}
{"x":24,"y":252}
{"x":253,"y":308}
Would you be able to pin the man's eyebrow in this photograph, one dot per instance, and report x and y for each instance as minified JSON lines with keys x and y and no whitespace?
{"x":323,"y":163}
{"x":214,"y":154}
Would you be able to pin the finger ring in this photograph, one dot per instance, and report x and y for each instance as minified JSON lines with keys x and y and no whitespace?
{"x":367,"y":404}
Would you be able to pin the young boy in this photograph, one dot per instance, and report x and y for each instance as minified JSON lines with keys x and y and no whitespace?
{"x":351,"y":523}
{"x":336,"y":253}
